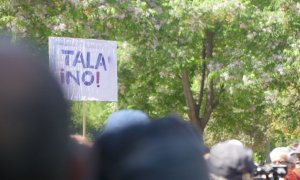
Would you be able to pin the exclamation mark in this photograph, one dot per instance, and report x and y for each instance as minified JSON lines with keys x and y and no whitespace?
{"x":98,"y":79}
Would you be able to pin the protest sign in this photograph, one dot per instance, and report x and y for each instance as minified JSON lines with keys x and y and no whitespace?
{"x":85,"y":68}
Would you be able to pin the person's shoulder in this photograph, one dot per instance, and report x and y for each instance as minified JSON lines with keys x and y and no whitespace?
{"x":296,"y":173}
{"x":292,"y":175}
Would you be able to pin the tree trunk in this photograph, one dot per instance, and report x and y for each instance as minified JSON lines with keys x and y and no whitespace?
{"x":207,"y":90}
{"x":190,"y":102}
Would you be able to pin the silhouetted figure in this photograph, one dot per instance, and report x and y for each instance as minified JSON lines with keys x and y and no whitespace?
{"x":230,"y":160}
{"x":166,"y":149}
{"x":33,"y":118}
{"x":81,"y":162}
{"x":283,"y":156}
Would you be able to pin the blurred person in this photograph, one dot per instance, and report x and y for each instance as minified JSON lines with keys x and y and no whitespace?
{"x":33,"y":118}
{"x":124,"y":118}
{"x":165,"y":149}
{"x":81,"y":140}
{"x":279,"y":156}
{"x":81,"y":159}
{"x":296,"y":153}
{"x":282,"y":156}
{"x":206,"y":152}
{"x":230,"y":160}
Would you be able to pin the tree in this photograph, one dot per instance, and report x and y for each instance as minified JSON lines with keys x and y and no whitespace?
{"x":229,"y":66}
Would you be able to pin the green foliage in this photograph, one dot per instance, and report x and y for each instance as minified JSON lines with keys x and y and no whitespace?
{"x":96,"y":114}
{"x":255,"y":59}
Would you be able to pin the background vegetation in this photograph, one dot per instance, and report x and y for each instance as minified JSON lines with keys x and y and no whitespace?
{"x":230,"y":66}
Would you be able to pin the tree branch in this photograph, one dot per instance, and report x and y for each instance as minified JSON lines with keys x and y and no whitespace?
{"x":209,"y":39}
{"x":202,"y":83}
{"x":216,"y":100}
{"x":189,"y":97}
{"x":210,"y":101}
{"x":210,"y":104}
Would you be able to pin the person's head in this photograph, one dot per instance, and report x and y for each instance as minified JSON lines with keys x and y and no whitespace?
{"x":166,"y":149}
{"x":295,"y":152}
{"x":33,"y":118}
{"x":124,"y":118}
{"x":230,"y":160}
{"x":279,"y":156}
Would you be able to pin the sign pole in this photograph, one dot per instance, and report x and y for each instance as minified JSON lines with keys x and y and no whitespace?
{"x":84,"y":118}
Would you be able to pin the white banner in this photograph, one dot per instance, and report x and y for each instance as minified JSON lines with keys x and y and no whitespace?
{"x":85,"y":68}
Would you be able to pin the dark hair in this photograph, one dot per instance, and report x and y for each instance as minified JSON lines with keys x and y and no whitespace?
{"x":33,"y":108}
{"x":166,"y":149}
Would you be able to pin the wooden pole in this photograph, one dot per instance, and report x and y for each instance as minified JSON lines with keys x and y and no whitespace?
{"x":84,"y":118}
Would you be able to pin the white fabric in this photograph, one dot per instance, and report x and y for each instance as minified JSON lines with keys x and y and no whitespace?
{"x":85,"y":68}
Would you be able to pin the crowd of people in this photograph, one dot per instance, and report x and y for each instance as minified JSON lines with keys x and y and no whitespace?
{"x":35,"y":143}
